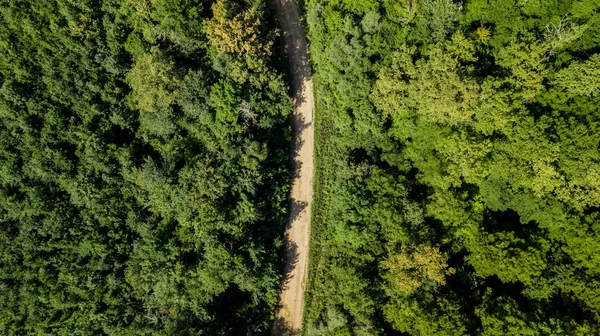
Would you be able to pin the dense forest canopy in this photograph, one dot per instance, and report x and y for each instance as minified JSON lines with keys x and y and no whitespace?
{"x":458,"y":188}
{"x":143,"y":167}
{"x":144,"y":149}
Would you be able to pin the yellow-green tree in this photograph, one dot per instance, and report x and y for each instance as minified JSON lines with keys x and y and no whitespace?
{"x":238,"y":34}
{"x":410,"y":268}
{"x":154,"y":88}
{"x":153,"y":82}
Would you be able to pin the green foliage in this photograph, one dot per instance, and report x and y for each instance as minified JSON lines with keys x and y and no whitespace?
{"x":425,"y":316}
{"x":153,"y":86}
{"x":401,"y":11}
{"x":580,"y":79}
{"x":409,"y":270}
{"x":472,"y":128}
{"x":435,"y":20}
{"x":143,"y":191}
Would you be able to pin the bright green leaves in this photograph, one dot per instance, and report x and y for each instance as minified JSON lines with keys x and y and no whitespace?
{"x":401,"y":11}
{"x":437,"y":18}
{"x":154,"y":89}
{"x":462,"y":48}
{"x":371,"y":22}
{"x":428,"y":314}
{"x":360,"y":6}
{"x":224,"y":99}
{"x":432,"y":91}
{"x":580,"y":78}
{"x":389,"y":92}
{"x":525,"y":61}
{"x":436,"y":89}
{"x":432,"y":87}
{"x":481,"y":139}
{"x":580,"y":160}
{"x":508,"y":257}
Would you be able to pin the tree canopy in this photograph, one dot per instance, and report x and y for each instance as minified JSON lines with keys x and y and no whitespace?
{"x":143,"y":167}
{"x":458,"y":163}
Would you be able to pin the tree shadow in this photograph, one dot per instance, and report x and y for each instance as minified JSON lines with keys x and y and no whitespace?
{"x":283,"y":328}
{"x":291,"y":256}
{"x":296,"y":50}
{"x":299,"y":125}
{"x":295,"y":47}
{"x":296,"y":208}
{"x":299,"y":122}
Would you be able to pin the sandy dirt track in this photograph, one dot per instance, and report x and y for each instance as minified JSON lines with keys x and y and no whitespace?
{"x":291,"y":305}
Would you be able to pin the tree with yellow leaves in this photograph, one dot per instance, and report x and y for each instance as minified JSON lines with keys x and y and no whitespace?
{"x":238,"y":34}
{"x":412,"y":267}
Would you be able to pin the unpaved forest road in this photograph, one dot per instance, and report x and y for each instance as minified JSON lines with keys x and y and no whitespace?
{"x":291,"y":302}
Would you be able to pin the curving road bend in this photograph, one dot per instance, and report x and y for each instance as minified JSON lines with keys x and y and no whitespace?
{"x":291,"y":303}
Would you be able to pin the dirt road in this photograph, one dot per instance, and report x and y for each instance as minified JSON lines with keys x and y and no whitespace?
{"x":291,"y":305}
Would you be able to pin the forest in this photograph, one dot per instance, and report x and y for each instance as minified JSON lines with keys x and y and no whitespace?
{"x":145,"y":154}
{"x":458,"y":179}
{"x":144,"y":148}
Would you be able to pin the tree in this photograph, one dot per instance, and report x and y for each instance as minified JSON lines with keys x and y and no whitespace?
{"x":412,"y":267}
{"x":238,"y":34}
{"x":580,"y":78}
{"x":525,"y":60}
{"x":154,"y":89}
